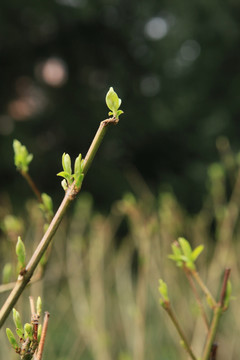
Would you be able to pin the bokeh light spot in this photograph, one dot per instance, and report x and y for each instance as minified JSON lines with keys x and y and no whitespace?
{"x":53,"y":72}
{"x":190,"y":50}
{"x":156,"y":28}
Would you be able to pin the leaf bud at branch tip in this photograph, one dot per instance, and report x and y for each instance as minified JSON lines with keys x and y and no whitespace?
{"x":21,"y":253}
{"x":39,"y":306}
{"x":113,"y":103}
{"x":17,"y":320}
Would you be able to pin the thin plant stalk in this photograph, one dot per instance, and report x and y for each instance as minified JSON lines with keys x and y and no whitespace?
{"x":43,"y":337}
{"x":172,"y":316}
{"x":212,"y":332}
{"x":32,"y":185}
{"x":69,"y":196}
{"x":194,"y":289}
{"x":203,"y":287}
{"x":218,"y":310}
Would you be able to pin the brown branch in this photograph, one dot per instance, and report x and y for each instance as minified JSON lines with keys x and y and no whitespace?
{"x":32,"y":185}
{"x":43,"y":337}
{"x":224,"y":286}
{"x":70,"y":194}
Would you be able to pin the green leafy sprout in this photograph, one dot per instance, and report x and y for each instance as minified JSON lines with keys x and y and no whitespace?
{"x":21,"y":254}
{"x":183,"y":254}
{"x":22,"y":158}
{"x":163,"y":290}
{"x":67,"y":174}
{"x":113,"y":103}
{"x":28,"y":336}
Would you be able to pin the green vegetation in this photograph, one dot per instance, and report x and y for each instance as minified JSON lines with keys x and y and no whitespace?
{"x":101,"y":282}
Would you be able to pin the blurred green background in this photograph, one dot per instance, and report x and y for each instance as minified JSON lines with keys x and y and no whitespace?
{"x":176,"y":67}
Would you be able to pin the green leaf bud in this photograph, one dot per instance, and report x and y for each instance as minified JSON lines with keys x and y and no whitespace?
{"x":39,"y":306}
{"x":163,"y":289}
{"x":77,"y":164}
{"x":6,"y":274}
{"x":28,"y":331}
{"x":113,"y":103}
{"x":185,"y":246}
{"x":64,"y":184}
{"x":17,"y":321}
{"x":78,"y":170}
{"x":66,"y":163}
{"x":21,"y":252}
{"x":12,"y":339}
{"x":21,"y":156}
{"x":196,"y":252}
{"x":47,"y":202}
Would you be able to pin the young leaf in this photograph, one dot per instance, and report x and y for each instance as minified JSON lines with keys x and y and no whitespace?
{"x":39,"y":306}
{"x":113,"y":103}
{"x":196,"y":252}
{"x":66,"y":176}
{"x":28,"y":331}
{"x":21,"y":253}
{"x":66,"y":163}
{"x":21,"y":156}
{"x":12,"y":339}
{"x":77,"y":164}
{"x":47,"y":204}
{"x":17,"y":320}
{"x":177,"y":259}
{"x":185,"y":246}
{"x":78,"y":168}
{"x":163,"y":290}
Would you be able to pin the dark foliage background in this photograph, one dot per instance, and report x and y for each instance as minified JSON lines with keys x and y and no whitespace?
{"x":174,"y":64}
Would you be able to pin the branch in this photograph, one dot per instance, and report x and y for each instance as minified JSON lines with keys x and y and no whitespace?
{"x":218,"y":310}
{"x":32,"y":185}
{"x":43,"y":337}
{"x":194,"y":289}
{"x":172,"y":316}
{"x":69,"y":196}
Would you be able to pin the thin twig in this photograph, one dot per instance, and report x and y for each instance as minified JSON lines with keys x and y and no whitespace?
{"x":32,"y":185}
{"x":196,"y":294}
{"x":42,"y":247}
{"x":212,"y":332}
{"x":172,"y":316}
{"x":203,"y":287}
{"x":218,"y":310}
{"x":224,"y":286}
{"x":43,"y":337}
